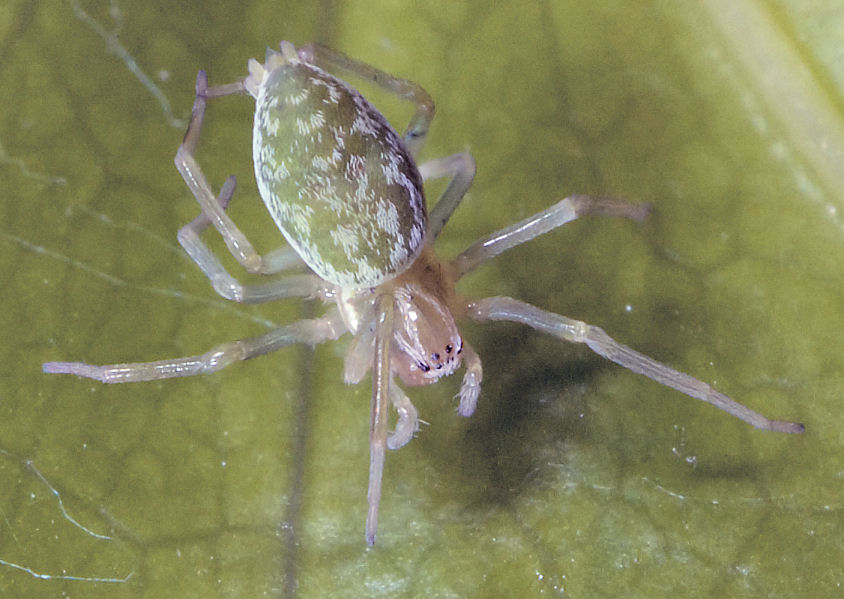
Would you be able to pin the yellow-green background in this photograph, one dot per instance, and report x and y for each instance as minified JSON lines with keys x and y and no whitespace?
{"x":574,"y":478}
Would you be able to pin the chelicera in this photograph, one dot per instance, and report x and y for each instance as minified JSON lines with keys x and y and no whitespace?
{"x":345,"y":190}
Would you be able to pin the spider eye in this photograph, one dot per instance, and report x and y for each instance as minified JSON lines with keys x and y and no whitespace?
{"x":448,"y":348}
{"x":435,"y":357}
{"x":424,"y":367}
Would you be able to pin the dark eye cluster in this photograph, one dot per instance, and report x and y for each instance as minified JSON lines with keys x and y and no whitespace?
{"x":435,"y":357}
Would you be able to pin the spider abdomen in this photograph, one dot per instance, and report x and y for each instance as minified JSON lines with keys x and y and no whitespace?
{"x":335,"y":176}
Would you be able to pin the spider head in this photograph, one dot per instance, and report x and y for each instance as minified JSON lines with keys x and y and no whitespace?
{"x":427,"y":344}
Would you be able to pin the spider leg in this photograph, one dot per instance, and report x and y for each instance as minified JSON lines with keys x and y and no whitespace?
{"x":470,"y":388}
{"x":562,"y":212}
{"x":357,"y":362}
{"x":506,"y":308}
{"x":417,"y":129}
{"x":358,"y":358}
{"x":381,"y":375}
{"x":303,"y":285}
{"x":213,"y":208}
{"x":312,"y":332}
{"x":408,"y":419}
{"x":282,"y":258}
{"x":461,"y":168}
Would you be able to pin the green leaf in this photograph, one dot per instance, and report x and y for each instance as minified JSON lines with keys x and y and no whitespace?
{"x":574,"y":476}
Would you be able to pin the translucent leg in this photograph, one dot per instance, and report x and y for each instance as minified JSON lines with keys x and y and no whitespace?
{"x":358,"y":361}
{"x":408,"y":419}
{"x":229,"y":287}
{"x":312,"y":332}
{"x":461,"y":168}
{"x":282,"y":258}
{"x":505,"y":308}
{"x":470,"y":389}
{"x":236,"y":241}
{"x":358,"y":358}
{"x":540,"y":223}
{"x":381,"y":375}
{"x":331,"y":60}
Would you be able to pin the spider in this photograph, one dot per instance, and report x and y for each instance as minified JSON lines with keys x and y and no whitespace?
{"x":345,"y":190}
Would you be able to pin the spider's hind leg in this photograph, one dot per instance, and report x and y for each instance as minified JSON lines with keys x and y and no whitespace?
{"x":461,"y":168}
{"x":213,"y":208}
{"x":332,"y":60}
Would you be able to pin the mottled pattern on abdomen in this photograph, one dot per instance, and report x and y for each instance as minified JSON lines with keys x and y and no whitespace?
{"x":336,"y":178}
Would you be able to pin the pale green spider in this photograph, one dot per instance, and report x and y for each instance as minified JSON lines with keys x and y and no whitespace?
{"x":344,"y":189}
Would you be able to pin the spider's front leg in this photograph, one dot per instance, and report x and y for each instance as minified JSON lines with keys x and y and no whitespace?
{"x":381,"y":379}
{"x":357,"y":363}
{"x":506,"y":308}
